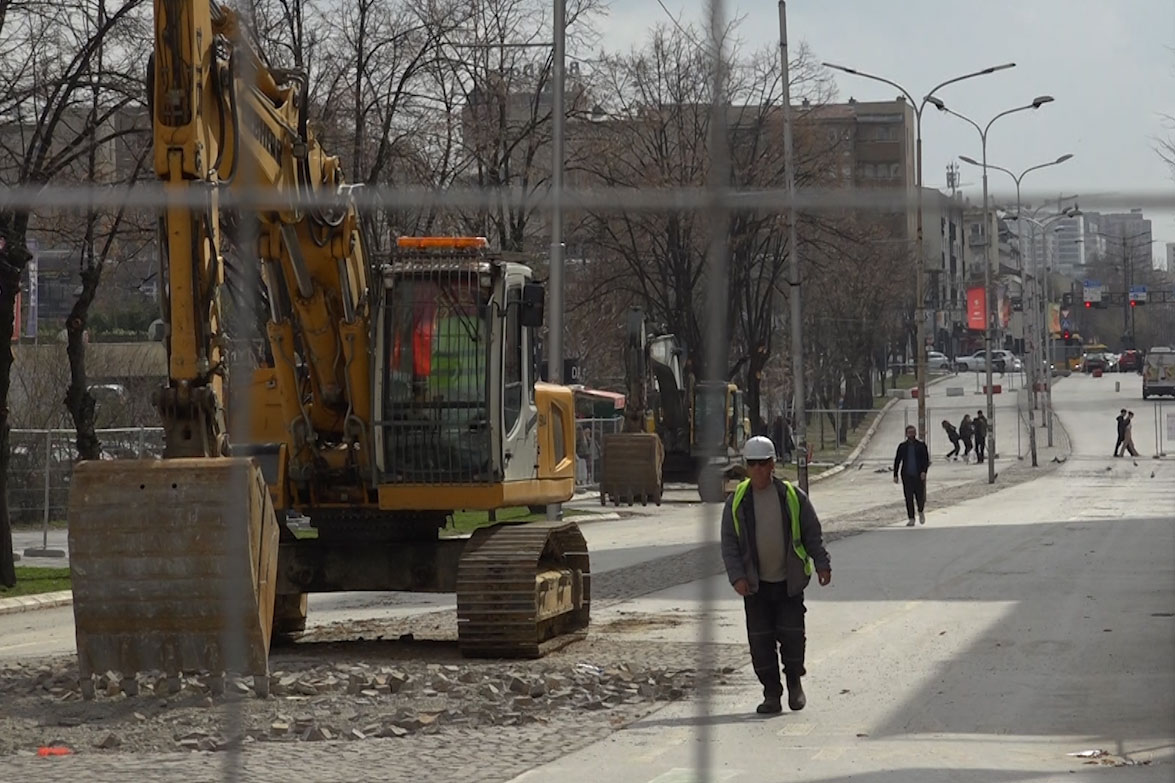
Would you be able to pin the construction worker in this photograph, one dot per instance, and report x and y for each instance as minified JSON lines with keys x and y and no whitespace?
{"x":770,"y":538}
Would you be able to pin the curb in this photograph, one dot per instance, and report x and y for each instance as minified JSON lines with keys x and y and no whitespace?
{"x":27,"y":603}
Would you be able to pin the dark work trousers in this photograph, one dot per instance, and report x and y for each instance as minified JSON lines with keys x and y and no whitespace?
{"x":775,"y":630}
{"x":914,"y":488}
{"x":980,"y":447}
{"x":966,"y":447}
{"x":955,"y":451}
{"x":1118,"y":445}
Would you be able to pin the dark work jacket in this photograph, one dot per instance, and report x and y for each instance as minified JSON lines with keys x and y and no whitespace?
{"x":739,"y":553}
{"x":952,"y":433}
{"x":980,"y":428}
{"x":1121,"y":426}
{"x":922,"y":454}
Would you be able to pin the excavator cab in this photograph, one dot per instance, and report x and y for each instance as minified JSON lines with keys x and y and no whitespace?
{"x":458,"y":399}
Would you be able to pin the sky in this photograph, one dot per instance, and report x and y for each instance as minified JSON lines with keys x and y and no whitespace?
{"x":1110,"y":65}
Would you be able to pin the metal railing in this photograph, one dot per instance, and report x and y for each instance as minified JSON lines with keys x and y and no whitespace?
{"x":1164,"y":427}
{"x":40,"y":466}
{"x":589,"y":449}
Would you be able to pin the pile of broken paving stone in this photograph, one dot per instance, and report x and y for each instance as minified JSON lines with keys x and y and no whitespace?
{"x":325,"y":702}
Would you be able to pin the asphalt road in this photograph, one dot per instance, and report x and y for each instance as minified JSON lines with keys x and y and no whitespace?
{"x":1010,"y":631}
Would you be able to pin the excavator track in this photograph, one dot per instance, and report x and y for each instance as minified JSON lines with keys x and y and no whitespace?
{"x":522,"y":590}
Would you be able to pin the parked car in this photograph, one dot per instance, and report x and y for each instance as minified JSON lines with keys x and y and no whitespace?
{"x":1130,"y":361}
{"x":937,"y":361}
{"x":1002,"y":361}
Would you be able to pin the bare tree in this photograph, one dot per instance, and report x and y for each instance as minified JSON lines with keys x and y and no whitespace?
{"x":47,"y":69}
{"x":655,"y":133}
{"x":502,"y":61}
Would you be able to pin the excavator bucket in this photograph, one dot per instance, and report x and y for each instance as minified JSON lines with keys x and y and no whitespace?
{"x":174,"y":565}
{"x":632,"y":468}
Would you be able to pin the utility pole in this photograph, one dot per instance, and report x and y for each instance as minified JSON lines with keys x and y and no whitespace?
{"x":555,"y":333}
{"x":797,"y":321}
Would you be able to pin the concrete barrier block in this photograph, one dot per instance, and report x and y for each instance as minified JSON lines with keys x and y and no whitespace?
{"x":955,"y":391}
{"x":995,"y":388}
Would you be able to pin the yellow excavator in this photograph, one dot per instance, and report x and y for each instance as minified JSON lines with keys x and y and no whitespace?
{"x":381,"y":396}
{"x":665,"y":417}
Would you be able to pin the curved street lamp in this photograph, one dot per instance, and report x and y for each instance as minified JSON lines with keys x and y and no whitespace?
{"x":1046,"y":337}
{"x":1036,"y":104}
{"x":1033,"y":366}
{"x":920,"y":277}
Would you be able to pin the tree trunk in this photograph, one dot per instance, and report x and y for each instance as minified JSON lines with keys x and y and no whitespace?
{"x":78,"y":400}
{"x":13,"y":257}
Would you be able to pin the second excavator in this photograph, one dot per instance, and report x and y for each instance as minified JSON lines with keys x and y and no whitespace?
{"x":666,"y":416}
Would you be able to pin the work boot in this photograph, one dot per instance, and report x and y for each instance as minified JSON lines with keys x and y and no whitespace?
{"x":921,"y":518}
{"x":910,"y":523}
{"x":770,"y":705}
{"x":795,"y":693}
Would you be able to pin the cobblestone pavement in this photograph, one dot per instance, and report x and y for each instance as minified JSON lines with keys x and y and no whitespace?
{"x":442,"y":751}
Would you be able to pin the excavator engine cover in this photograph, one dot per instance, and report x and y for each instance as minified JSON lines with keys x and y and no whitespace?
{"x":174,"y":565}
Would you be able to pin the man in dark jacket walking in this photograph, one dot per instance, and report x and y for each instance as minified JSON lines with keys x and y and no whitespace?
{"x":980,"y":425}
{"x":911,"y":462}
{"x":1122,"y":421}
{"x":771,"y":537}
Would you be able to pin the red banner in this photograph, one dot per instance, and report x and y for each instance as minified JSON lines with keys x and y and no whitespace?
{"x":977,"y":308}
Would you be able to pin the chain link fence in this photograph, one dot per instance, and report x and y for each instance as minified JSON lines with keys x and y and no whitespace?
{"x":41,"y":461}
{"x":589,"y":449}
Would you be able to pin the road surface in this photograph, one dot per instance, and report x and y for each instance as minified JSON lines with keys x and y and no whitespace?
{"x":1007,"y":633}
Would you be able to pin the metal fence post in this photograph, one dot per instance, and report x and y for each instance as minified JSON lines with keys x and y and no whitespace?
{"x":44,"y":550}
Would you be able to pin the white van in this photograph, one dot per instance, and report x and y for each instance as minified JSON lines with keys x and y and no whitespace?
{"x":1158,"y":372}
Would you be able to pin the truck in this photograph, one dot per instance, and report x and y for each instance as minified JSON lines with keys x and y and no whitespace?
{"x":309,"y":377}
{"x":1158,"y":372}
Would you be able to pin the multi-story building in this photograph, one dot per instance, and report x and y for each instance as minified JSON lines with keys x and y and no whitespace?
{"x":874,"y":145}
{"x":1079,"y":242}
{"x":1169,"y":265}
{"x":943,"y":231}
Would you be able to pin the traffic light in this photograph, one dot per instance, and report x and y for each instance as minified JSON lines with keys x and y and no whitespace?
{"x":1088,"y":304}
{"x":1134,"y":303}
{"x":1066,"y":335}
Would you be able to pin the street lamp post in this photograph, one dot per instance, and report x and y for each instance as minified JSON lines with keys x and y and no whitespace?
{"x":555,"y":354}
{"x":1033,"y":355}
{"x":1046,"y":338}
{"x":1036,"y":104}
{"x":920,"y":276}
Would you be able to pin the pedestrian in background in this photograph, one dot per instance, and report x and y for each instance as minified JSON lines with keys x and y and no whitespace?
{"x":966,"y":431}
{"x":953,"y":434}
{"x":980,"y":424}
{"x":1121,"y":433}
{"x":1128,"y":437}
{"x":771,"y":537}
{"x":777,"y":436}
{"x":911,"y":462}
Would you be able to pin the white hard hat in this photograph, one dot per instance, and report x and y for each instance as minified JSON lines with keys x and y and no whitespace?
{"x":759,"y":447}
